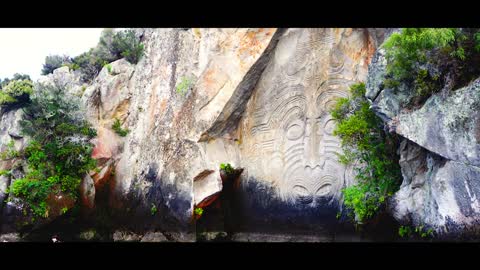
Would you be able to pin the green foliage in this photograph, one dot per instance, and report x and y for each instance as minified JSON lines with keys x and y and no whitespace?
{"x":5,"y":172}
{"x":198,"y":211}
{"x":477,"y":41}
{"x":59,"y":153}
{"x":405,"y":49}
{"x":227,"y":168}
{"x":10,"y":153}
{"x":111,"y":47}
{"x":424,"y":85}
{"x":127,"y":45}
{"x":363,"y":140}
{"x":109,"y":68}
{"x":16,"y":92}
{"x":405,"y":231}
{"x":419,"y":231}
{"x":153,"y":209}
{"x":16,"y":77}
{"x":53,"y":62}
{"x":72,"y":66}
{"x":431,"y":59}
{"x":184,"y":85}
{"x":117,"y":127}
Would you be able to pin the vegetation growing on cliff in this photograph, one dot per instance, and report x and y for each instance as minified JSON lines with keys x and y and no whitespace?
{"x":372,"y":151}
{"x":111,"y":47}
{"x":117,"y":127}
{"x":59,"y":152}
{"x":53,"y":62}
{"x":16,"y":92}
{"x":429,"y":60}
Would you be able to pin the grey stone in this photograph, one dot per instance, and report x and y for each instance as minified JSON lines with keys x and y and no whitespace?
{"x":449,"y":126}
{"x":437,"y":193}
{"x":87,"y":191}
{"x":10,"y":237}
{"x":154,"y":237}
{"x":265,"y":237}
{"x":126,"y":236}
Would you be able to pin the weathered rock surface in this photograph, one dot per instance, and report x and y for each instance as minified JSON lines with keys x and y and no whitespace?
{"x":87,"y":191}
{"x":205,"y":185}
{"x":154,"y":237}
{"x":126,"y":236}
{"x":449,"y":127}
{"x":161,"y":155}
{"x":440,"y":160}
{"x":288,"y":150}
{"x":437,"y":193}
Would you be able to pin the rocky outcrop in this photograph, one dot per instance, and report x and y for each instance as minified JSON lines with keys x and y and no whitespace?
{"x":437,"y":192}
{"x":439,"y":156}
{"x":172,"y":129}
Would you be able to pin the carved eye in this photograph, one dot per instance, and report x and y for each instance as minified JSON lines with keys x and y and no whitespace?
{"x":295,"y":130}
{"x":303,"y":195}
{"x":329,"y":127}
{"x":324,"y":189}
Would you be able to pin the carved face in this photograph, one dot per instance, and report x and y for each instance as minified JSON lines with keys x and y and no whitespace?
{"x":308,"y":149}
{"x":291,"y":142}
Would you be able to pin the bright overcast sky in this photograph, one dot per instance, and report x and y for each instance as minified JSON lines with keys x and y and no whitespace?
{"x":23,"y":50}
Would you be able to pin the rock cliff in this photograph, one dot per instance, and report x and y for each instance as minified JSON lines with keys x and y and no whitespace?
{"x":258,"y":99}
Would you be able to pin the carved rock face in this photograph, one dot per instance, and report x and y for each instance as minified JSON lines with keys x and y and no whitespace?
{"x":288,"y":131}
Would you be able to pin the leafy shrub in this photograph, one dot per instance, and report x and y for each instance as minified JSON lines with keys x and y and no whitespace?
{"x":432,"y":59}
{"x":126,"y":44}
{"x":227,"y":168}
{"x":363,"y":140}
{"x":419,"y":231}
{"x":89,"y":65}
{"x":10,"y":153}
{"x":59,"y":153}
{"x":53,"y":62}
{"x":153,"y":209}
{"x":16,"y":92}
{"x":16,"y":77}
{"x":404,"y":231}
{"x":111,"y":47}
{"x":198,"y":211}
{"x":117,"y":127}
{"x":183,"y":86}
{"x":109,"y":68}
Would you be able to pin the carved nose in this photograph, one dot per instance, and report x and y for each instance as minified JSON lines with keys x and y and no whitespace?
{"x":311,"y":144}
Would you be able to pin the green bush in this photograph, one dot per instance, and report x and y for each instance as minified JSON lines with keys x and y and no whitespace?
{"x":183,"y":86}
{"x":126,"y":44}
{"x":199,"y":211}
{"x":16,"y":77}
{"x":10,"y":153}
{"x":153,"y":209}
{"x":431,"y":59}
{"x":59,"y":153}
{"x":16,"y":92}
{"x":363,"y":140}
{"x":117,"y":127}
{"x":53,"y":62}
{"x":227,"y":168}
{"x":111,"y":47}
{"x":419,"y":231}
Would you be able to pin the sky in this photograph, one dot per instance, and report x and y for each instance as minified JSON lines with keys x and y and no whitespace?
{"x":23,"y":50}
